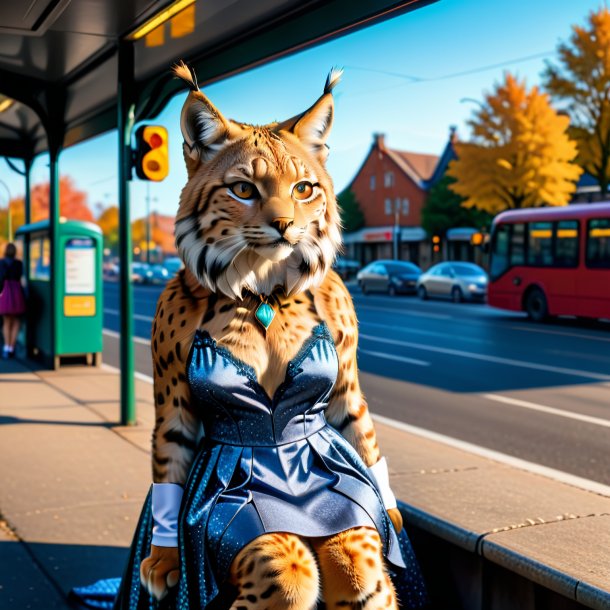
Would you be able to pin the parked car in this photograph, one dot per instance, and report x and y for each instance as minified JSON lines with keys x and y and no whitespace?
{"x":346,"y":267}
{"x":173,"y":264}
{"x":456,"y":281}
{"x":110,"y":271}
{"x":158,"y":274}
{"x":140,"y":273}
{"x":389,"y":276}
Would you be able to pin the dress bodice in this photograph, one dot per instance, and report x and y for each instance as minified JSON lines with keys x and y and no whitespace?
{"x":235,"y":408}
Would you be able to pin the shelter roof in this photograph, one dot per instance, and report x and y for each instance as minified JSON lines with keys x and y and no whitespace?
{"x":58,"y":58}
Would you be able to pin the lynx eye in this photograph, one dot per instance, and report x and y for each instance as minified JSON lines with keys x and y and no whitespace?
{"x":302,"y":191}
{"x":244,"y":190}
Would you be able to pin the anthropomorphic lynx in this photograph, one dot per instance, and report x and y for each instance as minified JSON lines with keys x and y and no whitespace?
{"x":268,"y":481}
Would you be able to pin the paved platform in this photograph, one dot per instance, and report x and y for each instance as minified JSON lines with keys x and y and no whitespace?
{"x":73,"y":483}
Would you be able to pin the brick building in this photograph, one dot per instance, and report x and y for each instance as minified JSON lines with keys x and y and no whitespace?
{"x":391,"y":187}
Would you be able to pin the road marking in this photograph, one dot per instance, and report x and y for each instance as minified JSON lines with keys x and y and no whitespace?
{"x":430,"y":333}
{"x":135,"y":339}
{"x":393,"y":357}
{"x":561,"y":333}
{"x":137,"y":375}
{"x":488,"y":358}
{"x":497,"y":456}
{"x":589,"y":419}
{"x":136,"y":316}
{"x":418,"y":314}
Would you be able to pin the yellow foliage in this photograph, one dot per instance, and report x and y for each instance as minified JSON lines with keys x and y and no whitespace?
{"x":582,"y":81}
{"x":520,"y":154}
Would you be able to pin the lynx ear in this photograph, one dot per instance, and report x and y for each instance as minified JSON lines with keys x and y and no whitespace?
{"x":313,"y":126}
{"x":204,"y":129}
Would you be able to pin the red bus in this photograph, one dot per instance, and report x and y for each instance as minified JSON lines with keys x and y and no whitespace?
{"x":552,"y":261}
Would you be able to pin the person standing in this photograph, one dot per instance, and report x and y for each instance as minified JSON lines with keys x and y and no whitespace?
{"x":12,"y":298}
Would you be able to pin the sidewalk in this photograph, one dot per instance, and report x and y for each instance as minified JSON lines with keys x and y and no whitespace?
{"x":73,"y":483}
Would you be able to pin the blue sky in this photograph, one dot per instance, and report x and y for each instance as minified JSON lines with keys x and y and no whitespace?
{"x":437,"y":45}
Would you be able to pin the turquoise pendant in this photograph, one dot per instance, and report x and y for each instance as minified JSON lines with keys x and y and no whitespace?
{"x":264,"y":314}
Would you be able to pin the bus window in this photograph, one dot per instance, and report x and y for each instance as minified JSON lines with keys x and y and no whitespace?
{"x":517,"y":246}
{"x":499,"y":253}
{"x":598,"y":243}
{"x":540,"y":250}
{"x":566,"y":244}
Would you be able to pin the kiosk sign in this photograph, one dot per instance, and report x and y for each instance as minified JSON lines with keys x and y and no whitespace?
{"x":80,"y":277}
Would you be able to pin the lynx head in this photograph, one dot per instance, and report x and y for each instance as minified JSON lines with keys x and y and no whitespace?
{"x":258,"y":211}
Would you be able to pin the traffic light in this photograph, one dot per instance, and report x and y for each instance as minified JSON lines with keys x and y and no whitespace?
{"x":151,"y":154}
{"x":436,"y":240}
{"x":476,"y":239}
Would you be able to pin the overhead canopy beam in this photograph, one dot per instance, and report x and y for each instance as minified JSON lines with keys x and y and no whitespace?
{"x":301,"y":25}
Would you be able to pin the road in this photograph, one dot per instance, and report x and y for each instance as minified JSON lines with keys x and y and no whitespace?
{"x":539,"y":393}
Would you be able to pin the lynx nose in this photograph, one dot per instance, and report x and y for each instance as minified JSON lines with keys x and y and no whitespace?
{"x":281,"y":224}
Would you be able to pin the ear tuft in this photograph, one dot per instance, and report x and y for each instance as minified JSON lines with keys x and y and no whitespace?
{"x":186,"y":74}
{"x":333,"y":78}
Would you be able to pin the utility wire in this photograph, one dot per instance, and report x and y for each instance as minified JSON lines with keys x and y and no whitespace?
{"x":417,"y":79}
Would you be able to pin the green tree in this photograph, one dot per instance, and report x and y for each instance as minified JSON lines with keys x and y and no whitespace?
{"x":582,"y":82}
{"x":352,"y":217}
{"x":443,"y":210}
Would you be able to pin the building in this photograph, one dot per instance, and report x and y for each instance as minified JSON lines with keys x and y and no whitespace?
{"x":391,"y":187}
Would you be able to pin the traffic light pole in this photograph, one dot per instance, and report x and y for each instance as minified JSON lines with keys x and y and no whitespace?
{"x":125,"y":119}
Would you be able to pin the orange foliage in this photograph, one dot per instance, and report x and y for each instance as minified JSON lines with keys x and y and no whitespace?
{"x":73,"y":203}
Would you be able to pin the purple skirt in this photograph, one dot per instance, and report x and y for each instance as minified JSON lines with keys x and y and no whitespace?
{"x":12,"y":299}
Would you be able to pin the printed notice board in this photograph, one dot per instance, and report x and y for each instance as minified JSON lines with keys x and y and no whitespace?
{"x":80,"y":266}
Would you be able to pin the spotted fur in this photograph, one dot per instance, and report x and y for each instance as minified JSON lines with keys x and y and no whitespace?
{"x":235,"y":251}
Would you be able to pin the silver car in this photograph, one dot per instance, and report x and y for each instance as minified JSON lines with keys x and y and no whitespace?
{"x":456,"y":281}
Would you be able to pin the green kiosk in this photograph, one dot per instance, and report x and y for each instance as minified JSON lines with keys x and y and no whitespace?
{"x":78,"y":315}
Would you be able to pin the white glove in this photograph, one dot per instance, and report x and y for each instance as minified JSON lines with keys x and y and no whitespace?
{"x":166,"y":500}
{"x":379,"y":474}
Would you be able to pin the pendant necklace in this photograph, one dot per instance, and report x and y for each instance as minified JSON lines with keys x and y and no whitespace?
{"x":264,"y":312}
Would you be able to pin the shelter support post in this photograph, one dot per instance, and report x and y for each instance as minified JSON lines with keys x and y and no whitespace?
{"x":54,"y":204}
{"x":27,"y":203}
{"x":125,"y":118}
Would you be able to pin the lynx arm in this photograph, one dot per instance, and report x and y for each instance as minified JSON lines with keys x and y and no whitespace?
{"x":177,"y":430}
{"x":179,"y":312}
{"x":347,"y":410}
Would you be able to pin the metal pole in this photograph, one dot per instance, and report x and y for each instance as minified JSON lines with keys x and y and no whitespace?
{"x":396,"y":226}
{"x":126,"y":110}
{"x":55,"y":304}
{"x":148,"y":223}
{"x":8,"y":211}
{"x":27,"y":204}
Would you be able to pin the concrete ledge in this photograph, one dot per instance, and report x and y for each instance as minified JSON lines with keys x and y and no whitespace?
{"x":552,"y":535}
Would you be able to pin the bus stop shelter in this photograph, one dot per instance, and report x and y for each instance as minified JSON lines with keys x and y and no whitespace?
{"x":73,"y":69}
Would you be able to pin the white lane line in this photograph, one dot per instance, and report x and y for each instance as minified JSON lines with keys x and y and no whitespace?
{"x":137,"y":375}
{"x":417,"y":314}
{"x":136,"y":316}
{"x":563,"y":333}
{"x":135,"y":339}
{"x":488,"y":358}
{"x":497,"y":456}
{"x":589,"y":419}
{"x":393,"y":357}
{"x":431,"y":333}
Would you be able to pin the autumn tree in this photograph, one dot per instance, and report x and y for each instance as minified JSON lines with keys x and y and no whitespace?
{"x":443,"y":210}
{"x":108,"y":222}
{"x":581,"y":81}
{"x":520,"y":154}
{"x":72,"y":203}
{"x":352,"y":217}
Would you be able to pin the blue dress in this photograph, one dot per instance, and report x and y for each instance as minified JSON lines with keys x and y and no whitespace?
{"x":267,"y":464}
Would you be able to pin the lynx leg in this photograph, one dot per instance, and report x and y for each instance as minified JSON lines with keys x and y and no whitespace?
{"x":353,"y":575}
{"x":275,"y":572}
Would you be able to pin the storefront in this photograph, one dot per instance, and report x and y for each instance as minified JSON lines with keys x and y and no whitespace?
{"x":367,"y":245}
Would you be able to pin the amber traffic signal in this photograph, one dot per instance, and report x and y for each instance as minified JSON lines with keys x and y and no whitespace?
{"x":152,"y":157}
